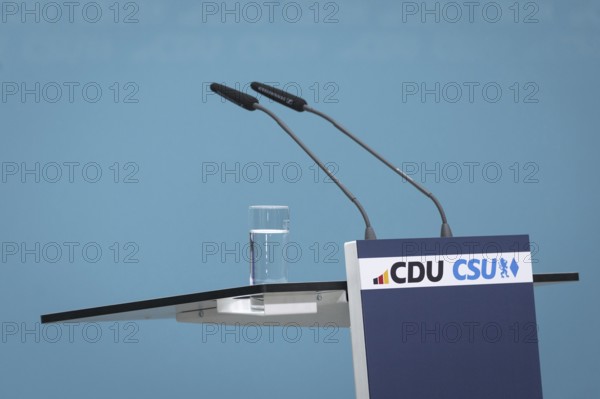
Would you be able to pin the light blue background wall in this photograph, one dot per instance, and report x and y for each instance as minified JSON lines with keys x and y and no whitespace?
{"x":354,"y":67}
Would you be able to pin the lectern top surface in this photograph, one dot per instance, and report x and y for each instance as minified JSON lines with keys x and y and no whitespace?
{"x":167,"y":307}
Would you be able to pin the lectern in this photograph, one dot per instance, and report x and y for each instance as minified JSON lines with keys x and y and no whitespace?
{"x":429,"y":318}
{"x":443,"y":318}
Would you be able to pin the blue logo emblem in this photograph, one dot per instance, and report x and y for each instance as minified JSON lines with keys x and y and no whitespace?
{"x":503,"y":268}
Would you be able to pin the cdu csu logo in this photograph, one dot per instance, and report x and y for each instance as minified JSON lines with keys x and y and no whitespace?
{"x":411,"y":272}
{"x":475,"y":269}
{"x":463,"y":269}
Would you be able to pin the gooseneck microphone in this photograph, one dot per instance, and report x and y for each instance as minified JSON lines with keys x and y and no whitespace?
{"x":251,"y":103}
{"x":280,"y":96}
{"x":300,"y":105}
{"x":244,"y":100}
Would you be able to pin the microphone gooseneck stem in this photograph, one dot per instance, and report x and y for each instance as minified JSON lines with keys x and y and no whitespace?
{"x":446,"y":231}
{"x":369,"y":232}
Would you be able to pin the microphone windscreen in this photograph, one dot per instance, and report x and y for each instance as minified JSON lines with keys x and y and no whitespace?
{"x":244,"y":100}
{"x":280,"y":96}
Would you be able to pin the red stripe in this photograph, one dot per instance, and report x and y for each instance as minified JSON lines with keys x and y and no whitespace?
{"x":380,"y":279}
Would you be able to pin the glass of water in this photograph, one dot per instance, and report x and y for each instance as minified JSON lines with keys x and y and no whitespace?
{"x":269,"y":232}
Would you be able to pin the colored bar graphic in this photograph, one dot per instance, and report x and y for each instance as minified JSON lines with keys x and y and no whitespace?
{"x":383,"y":279}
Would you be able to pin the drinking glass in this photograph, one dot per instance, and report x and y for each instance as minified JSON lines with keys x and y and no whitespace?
{"x":269,"y":233}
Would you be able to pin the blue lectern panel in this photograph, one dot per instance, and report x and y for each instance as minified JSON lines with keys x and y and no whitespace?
{"x":447,"y":323}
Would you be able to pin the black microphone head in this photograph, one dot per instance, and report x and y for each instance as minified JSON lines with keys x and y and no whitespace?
{"x":244,"y":100}
{"x":280,"y":96}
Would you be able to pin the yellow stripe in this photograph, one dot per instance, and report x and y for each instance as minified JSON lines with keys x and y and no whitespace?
{"x":386,"y":277}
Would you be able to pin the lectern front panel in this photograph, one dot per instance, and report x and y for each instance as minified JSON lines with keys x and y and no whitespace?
{"x":445,"y":318}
